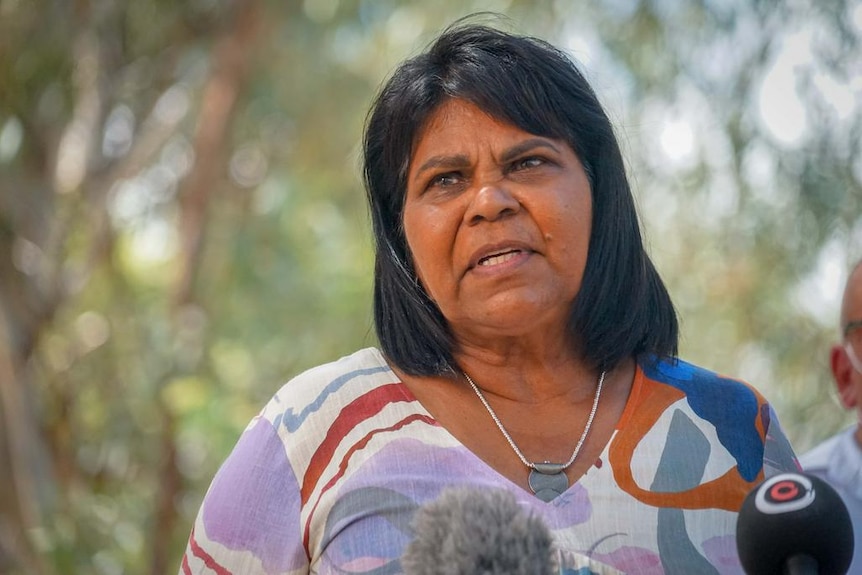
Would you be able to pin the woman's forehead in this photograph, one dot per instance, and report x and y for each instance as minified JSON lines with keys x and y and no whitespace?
{"x":456,"y":124}
{"x":456,"y":114}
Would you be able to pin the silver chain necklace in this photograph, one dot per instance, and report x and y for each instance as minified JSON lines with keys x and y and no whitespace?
{"x":547,"y":480}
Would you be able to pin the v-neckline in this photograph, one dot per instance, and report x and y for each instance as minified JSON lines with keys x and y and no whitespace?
{"x":627,"y":413}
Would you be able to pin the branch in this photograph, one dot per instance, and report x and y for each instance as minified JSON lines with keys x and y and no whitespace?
{"x":220,"y":95}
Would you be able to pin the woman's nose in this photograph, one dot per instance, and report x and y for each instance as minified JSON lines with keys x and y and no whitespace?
{"x":491,"y":202}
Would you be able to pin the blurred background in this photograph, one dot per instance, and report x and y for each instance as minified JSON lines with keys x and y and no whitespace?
{"x":183,"y":227}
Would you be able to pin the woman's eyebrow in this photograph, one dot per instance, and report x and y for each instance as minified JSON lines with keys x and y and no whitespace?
{"x":448,"y":162}
{"x":526,"y":146}
{"x":457,"y":161}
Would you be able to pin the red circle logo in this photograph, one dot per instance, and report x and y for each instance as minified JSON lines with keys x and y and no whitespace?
{"x":784,"y":491}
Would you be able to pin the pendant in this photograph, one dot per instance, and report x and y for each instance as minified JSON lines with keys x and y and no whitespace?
{"x":548,"y":481}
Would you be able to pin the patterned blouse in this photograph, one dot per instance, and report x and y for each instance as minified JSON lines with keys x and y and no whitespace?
{"x":326,"y":479}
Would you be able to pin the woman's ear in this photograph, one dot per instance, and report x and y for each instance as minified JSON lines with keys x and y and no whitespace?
{"x":842,"y":372}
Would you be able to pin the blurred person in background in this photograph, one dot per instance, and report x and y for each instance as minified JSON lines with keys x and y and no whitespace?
{"x":838,"y":460}
{"x":527,"y":344}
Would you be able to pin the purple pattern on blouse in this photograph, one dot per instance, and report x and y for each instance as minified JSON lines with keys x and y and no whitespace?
{"x":253,"y":502}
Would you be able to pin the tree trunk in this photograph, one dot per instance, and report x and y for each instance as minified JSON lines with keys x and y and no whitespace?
{"x":230,"y":58}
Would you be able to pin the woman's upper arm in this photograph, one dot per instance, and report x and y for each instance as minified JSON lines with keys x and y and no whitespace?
{"x":249,"y":520}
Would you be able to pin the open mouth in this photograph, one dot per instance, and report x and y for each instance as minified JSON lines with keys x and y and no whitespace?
{"x":497,"y":259}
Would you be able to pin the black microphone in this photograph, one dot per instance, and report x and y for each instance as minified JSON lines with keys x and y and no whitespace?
{"x":794,"y":524}
{"x":478,"y":532}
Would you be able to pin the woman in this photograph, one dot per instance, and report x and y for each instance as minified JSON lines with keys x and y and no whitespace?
{"x":527,"y":344}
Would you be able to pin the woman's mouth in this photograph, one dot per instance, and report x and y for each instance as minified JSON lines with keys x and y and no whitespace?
{"x":497,"y":259}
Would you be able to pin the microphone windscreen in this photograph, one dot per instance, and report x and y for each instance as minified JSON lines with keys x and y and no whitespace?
{"x":478,"y":532}
{"x":792,"y":515}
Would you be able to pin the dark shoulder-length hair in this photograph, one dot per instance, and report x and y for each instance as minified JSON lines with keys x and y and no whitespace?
{"x":622,"y":308}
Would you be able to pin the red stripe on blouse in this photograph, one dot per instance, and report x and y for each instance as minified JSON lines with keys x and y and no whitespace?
{"x":186,"y":569}
{"x":306,"y":535}
{"x":205,"y":557}
{"x":360,"y":409}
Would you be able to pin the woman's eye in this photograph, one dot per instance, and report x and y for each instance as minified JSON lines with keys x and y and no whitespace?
{"x":527,"y":163}
{"x":444,"y":180}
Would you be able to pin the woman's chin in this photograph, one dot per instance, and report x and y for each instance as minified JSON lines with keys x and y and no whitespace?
{"x":508,"y":321}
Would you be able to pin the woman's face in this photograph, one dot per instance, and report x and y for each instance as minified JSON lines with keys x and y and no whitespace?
{"x":498,"y":223}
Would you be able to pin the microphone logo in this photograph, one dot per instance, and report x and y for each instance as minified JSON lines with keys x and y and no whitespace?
{"x":784,"y":493}
{"x":794,"y":523}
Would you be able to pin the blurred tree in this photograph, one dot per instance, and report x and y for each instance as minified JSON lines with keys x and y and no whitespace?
{"x":182,"y":226}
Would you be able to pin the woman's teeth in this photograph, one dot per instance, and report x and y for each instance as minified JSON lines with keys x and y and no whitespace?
{"x":497,"y":259}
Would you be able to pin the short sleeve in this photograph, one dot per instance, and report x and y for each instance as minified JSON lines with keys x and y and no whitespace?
{"x":249,"y":520}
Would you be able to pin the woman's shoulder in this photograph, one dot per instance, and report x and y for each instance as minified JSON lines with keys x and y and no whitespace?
{"x":366,"y":361}
{"x":348,"y":375}
{"x":740,"y":416}
{"x":690,"y":378}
